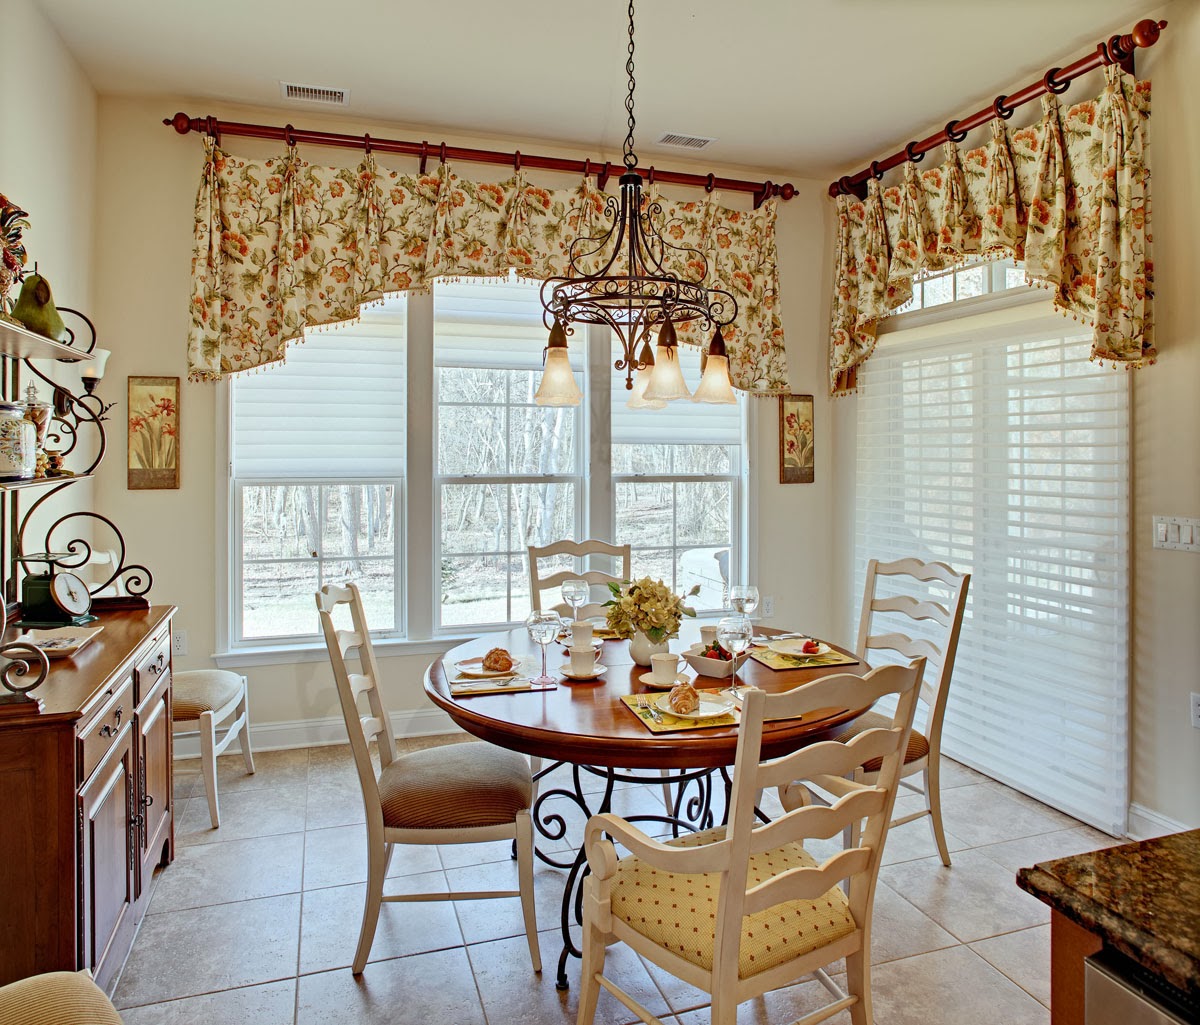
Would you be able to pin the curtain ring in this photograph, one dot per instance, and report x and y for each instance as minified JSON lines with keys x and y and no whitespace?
{"x":441,"y":153}
{"x":876,"y":173}
{"x":517,"y":161}
{"x":916,"y":158}
{"x":289,"y":135}
{"x":424,"y":154}
{"x":367,"y":142}
{"x":1053,"y":85}
{"x":709,"y":182}
{"x":214,"y":129}
{"x":587,"y":167}
{"x":952,"y":134}
{"x":650,"y":179}
{"x":603,"y":176}
{"x":1000,"y":110}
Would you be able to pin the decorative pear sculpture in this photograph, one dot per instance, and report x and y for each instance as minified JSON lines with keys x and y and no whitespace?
{"x":35,"y":309}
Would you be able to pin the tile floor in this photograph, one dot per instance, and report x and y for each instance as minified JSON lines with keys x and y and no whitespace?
{"x":255,"y":923}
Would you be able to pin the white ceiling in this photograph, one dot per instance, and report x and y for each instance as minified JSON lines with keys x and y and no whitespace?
{"x":809,"y":87}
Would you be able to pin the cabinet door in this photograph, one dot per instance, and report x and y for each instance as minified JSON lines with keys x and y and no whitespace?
{"x":154,"y":770}
{"x":107,"y":852}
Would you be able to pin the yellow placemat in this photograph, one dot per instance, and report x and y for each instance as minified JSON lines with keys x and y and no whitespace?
{"x":774,"y":660}
{"x":671,"y":723}
{"x":472,"y":688}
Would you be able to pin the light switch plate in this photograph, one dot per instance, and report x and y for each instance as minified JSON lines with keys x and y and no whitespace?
{"x":1176,"y":533}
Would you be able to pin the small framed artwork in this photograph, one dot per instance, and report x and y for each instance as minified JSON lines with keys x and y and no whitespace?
{"x":153,"y":433}
{"x":796,"y":452}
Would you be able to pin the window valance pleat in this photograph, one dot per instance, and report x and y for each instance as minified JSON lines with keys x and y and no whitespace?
{"x":1068,"y":195}
{"x":282,"y":245}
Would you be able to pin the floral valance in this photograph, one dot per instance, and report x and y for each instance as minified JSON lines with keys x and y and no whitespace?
{"x":283,"y":245}
{"x":1069,"y":195}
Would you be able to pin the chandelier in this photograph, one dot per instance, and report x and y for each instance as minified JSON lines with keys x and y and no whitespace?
{"x":636,"y":297}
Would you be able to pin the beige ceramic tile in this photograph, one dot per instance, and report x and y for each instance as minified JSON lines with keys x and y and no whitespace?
{"x":335,"y":804}
{"x":243,"y":814}
{"x":781,"y":1005}
{"x":331,"y":919}
{"x":337,"y":856}
{"x":202,"y":950}
{"x":974,"y":899}
{"x":899,"y":929}
{"x":984,"y":814}
{"x":425,"y":989}
{"x":914,"y":839}
{"x":1017,"y":854}
{"x":185,"y":779}
{"x":464,"y":855}
{"x":271,"y":769}
{"x":271,"y":1004}
{"x":495,"y":918}
{"x":233,"y":870}
{"x":950,"y":987}
{"x":954,"y":774}
{"x":1022,"y":956}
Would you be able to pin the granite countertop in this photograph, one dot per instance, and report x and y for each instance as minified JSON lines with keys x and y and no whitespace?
{"x":1142,"y":899}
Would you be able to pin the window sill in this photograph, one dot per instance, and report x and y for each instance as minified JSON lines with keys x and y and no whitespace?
{"x":314,"y":651}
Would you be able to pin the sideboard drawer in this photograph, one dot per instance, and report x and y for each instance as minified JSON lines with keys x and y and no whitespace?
{"x":99,"y":735}
{"x":151,"y":669}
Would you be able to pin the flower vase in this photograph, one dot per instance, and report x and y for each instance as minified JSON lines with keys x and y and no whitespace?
{"x":641,"y":648}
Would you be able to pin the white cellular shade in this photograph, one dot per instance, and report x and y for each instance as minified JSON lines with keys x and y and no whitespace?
{"x":334,"y":410}
{"x":1008,"y":458}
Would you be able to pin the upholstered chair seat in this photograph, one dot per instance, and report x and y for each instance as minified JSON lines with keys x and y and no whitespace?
{"x":918,"y":743}
{"x":204,"y":701}
{"x":203,"y":690}
{"x":56,"y":998}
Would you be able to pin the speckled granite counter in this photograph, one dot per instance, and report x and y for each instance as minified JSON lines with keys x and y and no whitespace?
{"x":1142,"y":899}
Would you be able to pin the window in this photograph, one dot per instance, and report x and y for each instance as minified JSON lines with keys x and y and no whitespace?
{"x":971,"y":281}
{"x":1004,"y":452}
{"x":424,"y":471}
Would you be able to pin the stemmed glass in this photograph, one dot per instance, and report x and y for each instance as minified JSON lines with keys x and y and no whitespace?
{"x":575,"y":593}
{"x":743,"y":598}
{"x":543,"y":628}
{"x":734,"y":634}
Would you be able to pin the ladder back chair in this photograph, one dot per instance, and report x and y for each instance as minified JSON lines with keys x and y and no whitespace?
{"x":923,"y":756}
{"x":204,"y":702}
{"x":576,"y":550}
{"x":460,"y":793}
{"x":744,"y":909}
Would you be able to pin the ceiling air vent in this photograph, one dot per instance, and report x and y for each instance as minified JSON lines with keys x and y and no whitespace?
{"x":315,"y":94}
{"x":684,"y":141}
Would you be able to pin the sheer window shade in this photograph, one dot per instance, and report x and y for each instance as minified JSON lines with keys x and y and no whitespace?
{"x":1008,"y":458}
{"x":319,"y":416}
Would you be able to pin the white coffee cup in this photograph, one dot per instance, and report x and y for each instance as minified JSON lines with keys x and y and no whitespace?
{"x":583,"y":660}
{"x":664,"y":667}
{"x":708,"y":635}
{"x":581,"y":635}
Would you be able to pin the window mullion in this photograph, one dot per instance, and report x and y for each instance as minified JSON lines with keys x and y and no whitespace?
{"x":597,"y":476}
{"x":421,"y":520}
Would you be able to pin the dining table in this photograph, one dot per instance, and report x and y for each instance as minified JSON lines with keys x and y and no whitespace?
{"x":585,"y":726}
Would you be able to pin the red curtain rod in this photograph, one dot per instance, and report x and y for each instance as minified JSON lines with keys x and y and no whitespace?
{"x":761,"y":191}
{"x":1118,"y":50}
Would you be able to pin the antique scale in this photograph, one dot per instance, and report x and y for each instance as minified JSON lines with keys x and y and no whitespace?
{"x":57,"y":597}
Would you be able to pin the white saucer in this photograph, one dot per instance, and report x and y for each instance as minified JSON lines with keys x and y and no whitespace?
{"x":649,"y":681}
{"x":597,"y":671}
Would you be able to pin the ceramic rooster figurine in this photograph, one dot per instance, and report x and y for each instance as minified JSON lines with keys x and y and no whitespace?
{"x":12,"y":251}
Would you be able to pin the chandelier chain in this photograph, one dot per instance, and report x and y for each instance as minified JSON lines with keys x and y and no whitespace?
{"x":630,"y":156}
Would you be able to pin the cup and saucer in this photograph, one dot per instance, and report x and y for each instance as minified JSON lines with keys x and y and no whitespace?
{"x":584,"y":664}
{"x":664,"y":672}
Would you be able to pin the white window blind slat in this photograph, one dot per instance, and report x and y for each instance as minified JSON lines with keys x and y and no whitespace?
{"x":1009,"y":458}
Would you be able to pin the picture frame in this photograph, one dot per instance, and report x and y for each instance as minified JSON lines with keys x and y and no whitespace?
{"x":153,"y":434}
{"x":797,"y":440}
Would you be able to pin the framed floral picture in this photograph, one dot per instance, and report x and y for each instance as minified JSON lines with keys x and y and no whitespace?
{"x":153,"y":433}
{"x":796,"y":452}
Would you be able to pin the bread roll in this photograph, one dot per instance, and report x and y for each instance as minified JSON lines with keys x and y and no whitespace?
{"x":498,"y":661}
{"x":683,"y":699}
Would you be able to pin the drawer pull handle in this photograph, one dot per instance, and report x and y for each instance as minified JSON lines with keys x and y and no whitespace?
{"x":147,"y":800}
{"x":111,"y":731}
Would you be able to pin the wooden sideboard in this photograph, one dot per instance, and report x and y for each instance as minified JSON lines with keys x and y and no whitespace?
{"x":86,"y":801}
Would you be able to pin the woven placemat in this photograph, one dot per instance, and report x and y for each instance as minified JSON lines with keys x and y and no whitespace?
{"x":671,"y":723}
{"x":774,"y":660}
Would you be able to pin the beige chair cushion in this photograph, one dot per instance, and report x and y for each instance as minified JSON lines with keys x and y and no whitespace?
{"x":57,"y":998}
{"x":679,"y":912}
{"x":455,"y":786}
{"x":202,"y":690}
{"x":918,"y":743}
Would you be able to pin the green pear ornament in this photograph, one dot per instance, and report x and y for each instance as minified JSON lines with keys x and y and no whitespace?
{"x":35,"y":309}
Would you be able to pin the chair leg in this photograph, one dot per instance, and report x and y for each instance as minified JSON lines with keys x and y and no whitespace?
{"x":525,"y":885}
{"x":858,"y":984}
{"x":668,"y":799}
{"x":208,"y":765}
{"x":535,"y":766}
{"x":724,"y":1009}
{"x":933,"y":799}
{"x":243,"y":713}
{"x":377,"y":859}
{"x":594,"y":949}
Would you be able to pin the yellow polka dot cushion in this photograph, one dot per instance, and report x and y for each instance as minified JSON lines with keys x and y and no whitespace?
{"x":679,"y":912}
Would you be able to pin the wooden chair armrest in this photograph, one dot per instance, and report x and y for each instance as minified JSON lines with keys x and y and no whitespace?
{"x":602,"y":857}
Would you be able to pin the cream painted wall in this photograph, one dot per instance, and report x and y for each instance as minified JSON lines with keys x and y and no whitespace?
{"x":147,"y":177}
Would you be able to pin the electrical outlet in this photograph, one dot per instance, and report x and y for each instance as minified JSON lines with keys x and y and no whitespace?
{"x":768,"y":607}
{"x":179,"y":642}
{"x":1195,"y":702}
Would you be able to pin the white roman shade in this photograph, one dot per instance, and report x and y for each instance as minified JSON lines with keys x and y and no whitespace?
{"x":1005,"y":453}
{"x":334,"y":411}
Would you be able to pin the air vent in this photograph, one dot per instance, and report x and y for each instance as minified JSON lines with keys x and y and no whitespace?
{"x":684,"y":141}
{"x":315,"y":94}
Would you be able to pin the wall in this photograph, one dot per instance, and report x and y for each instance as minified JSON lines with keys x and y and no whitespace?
{"x":148,"y":177}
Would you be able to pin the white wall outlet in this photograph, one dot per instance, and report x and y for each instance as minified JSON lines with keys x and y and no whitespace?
{"x":1195,"y":702}
{"x":768,"y":607}
{"x":179,"y":642}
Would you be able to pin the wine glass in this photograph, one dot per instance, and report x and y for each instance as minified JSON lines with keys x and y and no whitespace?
{"x":734,"y":633}
{"x":743,"y":598}
{"x":543,"y":627}
{"x":575,"y":593}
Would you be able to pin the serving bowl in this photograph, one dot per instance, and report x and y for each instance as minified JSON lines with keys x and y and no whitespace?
{"x":714,"y":668}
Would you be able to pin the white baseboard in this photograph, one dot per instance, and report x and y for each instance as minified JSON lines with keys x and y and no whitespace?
{"x":1145,"y":823}
{"x":280,"y":736}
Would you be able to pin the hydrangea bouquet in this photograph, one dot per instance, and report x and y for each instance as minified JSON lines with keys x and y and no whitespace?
{"x":649,"y":606}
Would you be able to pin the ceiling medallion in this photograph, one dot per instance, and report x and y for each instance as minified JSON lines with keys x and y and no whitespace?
{"x":634,"y":295}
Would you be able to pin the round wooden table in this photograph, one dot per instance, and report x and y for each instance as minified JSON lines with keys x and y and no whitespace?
{"x":586,"y":725}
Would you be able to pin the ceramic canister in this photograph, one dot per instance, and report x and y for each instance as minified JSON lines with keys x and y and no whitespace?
{"x":18,"y":443}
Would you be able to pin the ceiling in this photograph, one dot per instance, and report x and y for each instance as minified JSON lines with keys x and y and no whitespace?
{"x":808,"y":87}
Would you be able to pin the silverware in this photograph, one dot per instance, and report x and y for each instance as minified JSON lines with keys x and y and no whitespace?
{"x":654,"y":712}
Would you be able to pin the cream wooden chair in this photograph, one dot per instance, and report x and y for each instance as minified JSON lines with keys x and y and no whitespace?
{"x":461,"y":793}
{"x":579,"y":550}
{"x":204,"y":701}
{"x":742,"y":910}
{"x":923,"y":755}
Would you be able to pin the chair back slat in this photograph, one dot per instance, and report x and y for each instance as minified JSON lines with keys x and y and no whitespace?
{"x":359,"y":685}
{"x":807,"y":883}
{"x":907,"y":605}
{"x":828,"y":758}
{"x":539,"y":584}
{"x":371,"y":727}
{"x":819,"y":821}
{"x":904,"y":645}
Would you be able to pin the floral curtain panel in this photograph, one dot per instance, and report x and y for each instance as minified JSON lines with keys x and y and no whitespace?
{"x":1069,"y":195}
{"x":283,"y":245}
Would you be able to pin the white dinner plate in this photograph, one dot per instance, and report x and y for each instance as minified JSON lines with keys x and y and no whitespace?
{"x":649,"y":680}
{"x":473,"y":667}
{"x":710,"y":708}
{"x":597,"y":671}
{"x":795,"y":648}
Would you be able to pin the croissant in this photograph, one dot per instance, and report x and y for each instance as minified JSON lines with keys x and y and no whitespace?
{"x":498,"y":661}
{"x":683,"y":699}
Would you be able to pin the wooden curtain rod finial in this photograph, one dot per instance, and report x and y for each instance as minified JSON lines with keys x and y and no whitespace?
{"x":1145,"y":33}
{"x":180,"y":122}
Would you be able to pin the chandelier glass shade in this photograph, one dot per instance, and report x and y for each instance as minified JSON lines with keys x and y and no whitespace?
{"x":621,"y":279}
